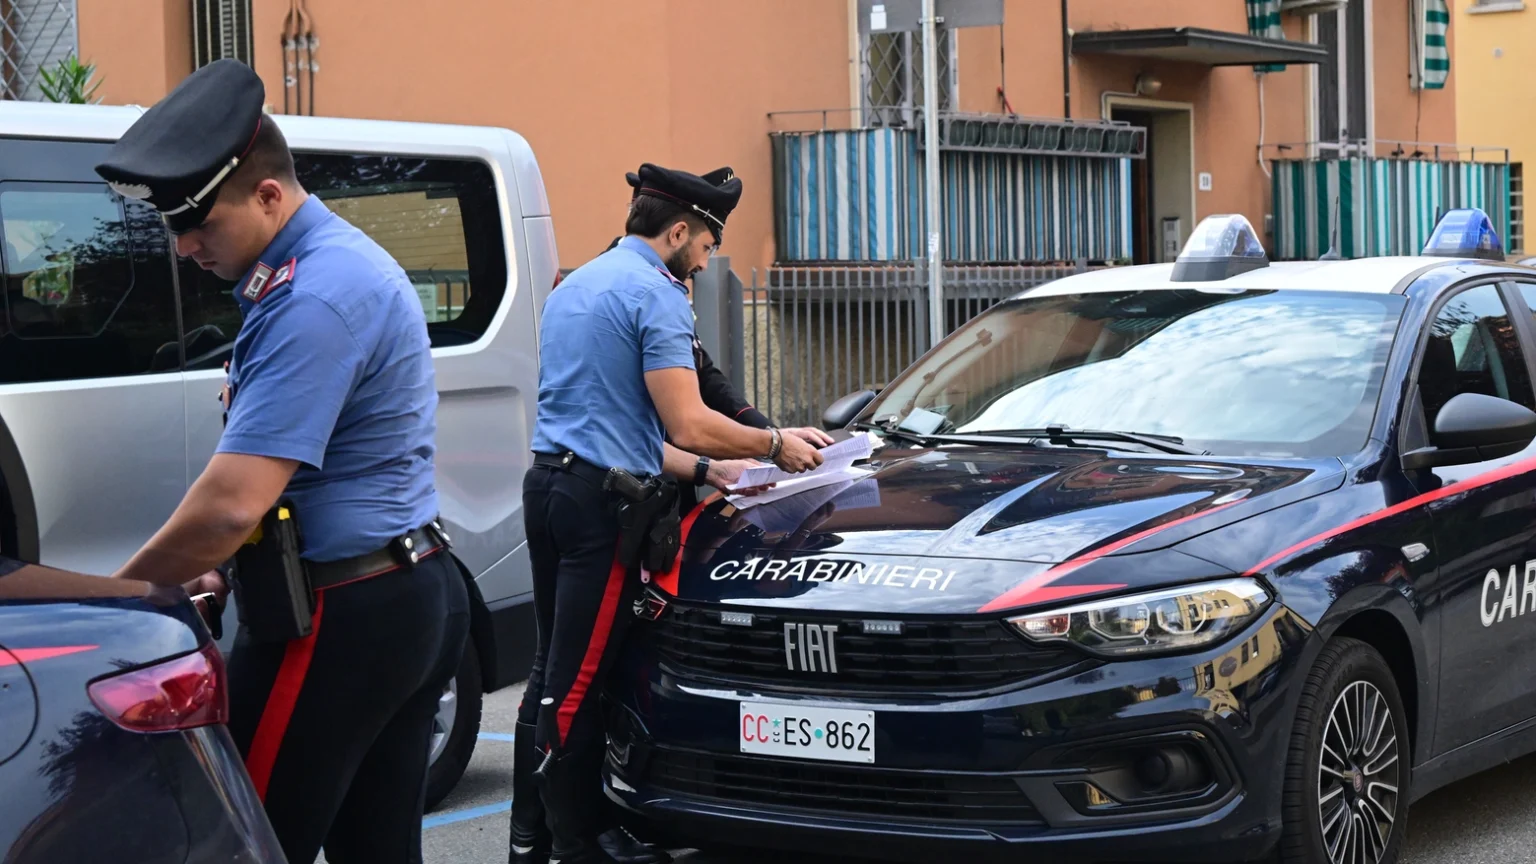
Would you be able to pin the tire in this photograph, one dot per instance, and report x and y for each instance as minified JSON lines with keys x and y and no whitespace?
{"x":1337,"y":805}
{"x":459,"y":717}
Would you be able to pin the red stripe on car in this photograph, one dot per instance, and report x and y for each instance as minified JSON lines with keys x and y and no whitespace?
{"x":1029,"y":589}
{"x":28,"y":655}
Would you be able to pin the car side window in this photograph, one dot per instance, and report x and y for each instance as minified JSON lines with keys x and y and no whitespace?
{"x":88,"y":285}
{"x":439,"y":218}
{"x":1472,"y":348}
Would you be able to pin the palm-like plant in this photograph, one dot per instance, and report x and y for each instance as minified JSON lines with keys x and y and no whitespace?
{"x":69,"y":81}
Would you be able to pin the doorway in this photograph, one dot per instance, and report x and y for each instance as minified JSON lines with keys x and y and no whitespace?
{"x":1162,"y":184}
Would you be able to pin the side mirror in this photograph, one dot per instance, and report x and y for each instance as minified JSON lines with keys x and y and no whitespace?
{"x":1473,"y":427}
{"x":840,"y":413}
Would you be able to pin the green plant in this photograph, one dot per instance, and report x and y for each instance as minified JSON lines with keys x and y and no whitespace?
{"x":69,"y":81}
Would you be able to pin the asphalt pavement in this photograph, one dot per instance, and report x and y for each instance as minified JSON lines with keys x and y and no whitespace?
{"x":1489,"y":819}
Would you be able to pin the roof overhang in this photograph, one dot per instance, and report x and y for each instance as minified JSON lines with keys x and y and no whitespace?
{"x":1197,"y":45}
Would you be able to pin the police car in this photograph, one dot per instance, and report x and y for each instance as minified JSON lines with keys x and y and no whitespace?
{"x":1209,"y":561}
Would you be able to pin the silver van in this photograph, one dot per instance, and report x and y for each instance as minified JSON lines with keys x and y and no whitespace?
{"x":112,"y":351}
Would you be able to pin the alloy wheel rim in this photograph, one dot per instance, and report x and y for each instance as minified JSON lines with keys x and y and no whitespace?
{"x":442,"y":724}
{"x":1358,"y":776}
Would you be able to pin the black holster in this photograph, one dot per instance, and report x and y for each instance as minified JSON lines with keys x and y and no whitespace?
{"x":650,"y":527}
{"x":271,"y":585}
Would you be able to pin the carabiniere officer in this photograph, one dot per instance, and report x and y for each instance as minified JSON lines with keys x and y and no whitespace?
{"x":353,"y":615}
{"x":617,"y":377}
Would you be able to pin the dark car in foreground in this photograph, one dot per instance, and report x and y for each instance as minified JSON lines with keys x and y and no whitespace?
{"x":1215,"y":561}
{"x":112,"y":744}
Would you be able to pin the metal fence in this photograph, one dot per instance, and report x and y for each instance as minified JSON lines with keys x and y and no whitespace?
{"x":810,"y":335}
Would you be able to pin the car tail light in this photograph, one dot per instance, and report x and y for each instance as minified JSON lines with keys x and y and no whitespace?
{"x":182,"y":693}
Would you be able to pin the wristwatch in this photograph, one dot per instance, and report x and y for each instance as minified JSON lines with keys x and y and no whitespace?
{"x":700,"y":470}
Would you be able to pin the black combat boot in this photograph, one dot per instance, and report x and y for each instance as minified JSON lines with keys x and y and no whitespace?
{"x":572,"y":801}
{"x":530,"y":839}
{"x":625,"y":848}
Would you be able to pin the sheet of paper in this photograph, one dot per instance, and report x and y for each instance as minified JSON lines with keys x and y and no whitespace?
{"x":788,"y":514}
{"x":835,"y":458}
{"x":808,"y":481}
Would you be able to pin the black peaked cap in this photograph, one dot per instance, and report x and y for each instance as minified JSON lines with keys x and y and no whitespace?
{"x":712,"y":196}
{"x":178,"y":154}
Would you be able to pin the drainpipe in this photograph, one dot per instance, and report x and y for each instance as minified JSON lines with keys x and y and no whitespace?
{"x":1066,"y":64}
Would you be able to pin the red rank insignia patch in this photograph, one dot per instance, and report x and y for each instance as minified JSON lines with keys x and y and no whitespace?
{"x":256,"y":287}
{"x":284,"y":273}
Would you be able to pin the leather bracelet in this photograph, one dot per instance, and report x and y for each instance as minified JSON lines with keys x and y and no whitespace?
{"x":700,"y":471}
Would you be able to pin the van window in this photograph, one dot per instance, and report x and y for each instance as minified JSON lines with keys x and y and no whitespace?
{"x":88,"y":285}
{"x":439,"y":218}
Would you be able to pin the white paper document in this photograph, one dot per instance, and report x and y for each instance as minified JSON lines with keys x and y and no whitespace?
{"x":803,"y":483}
{"x":835,"y":458}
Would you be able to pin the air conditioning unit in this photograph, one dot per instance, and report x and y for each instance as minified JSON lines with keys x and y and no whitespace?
{"x":1311,"y":7}
{"x":221,"y":29}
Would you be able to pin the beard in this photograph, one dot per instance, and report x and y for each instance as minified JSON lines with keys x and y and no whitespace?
{"x":677,"y":265}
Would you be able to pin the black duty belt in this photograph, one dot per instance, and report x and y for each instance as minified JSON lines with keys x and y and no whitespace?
{"x":403,"y":551}
{"x":574,"y":464}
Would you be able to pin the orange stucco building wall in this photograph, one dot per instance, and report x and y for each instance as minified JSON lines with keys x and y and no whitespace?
{"x":599,"y":86}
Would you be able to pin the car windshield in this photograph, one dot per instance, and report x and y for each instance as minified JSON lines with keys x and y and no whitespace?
{"x":1252,"y":373}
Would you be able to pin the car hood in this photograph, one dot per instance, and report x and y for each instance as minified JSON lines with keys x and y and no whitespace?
{"x":979,"y":529}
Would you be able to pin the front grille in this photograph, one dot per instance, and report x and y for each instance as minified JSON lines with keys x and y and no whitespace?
{"x":836,"y":790}
{"x":929,"y":655}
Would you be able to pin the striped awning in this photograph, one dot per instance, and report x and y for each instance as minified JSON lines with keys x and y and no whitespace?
{"x":1373,"y":207}
{"x":1431,"y":57}
{"x":859,"y":195}
{"x":1264,"y":21}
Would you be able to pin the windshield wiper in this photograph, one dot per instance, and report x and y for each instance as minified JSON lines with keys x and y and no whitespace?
{"x":1165,"y":443}
{"x":891,"y":428}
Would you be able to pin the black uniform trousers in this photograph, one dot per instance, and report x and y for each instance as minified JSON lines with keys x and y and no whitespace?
{"x":335,"y":728}
{"x":583,"y":603}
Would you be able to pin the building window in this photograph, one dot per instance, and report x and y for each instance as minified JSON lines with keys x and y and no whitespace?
{"x":1342,"y":100}
{"x":893,"y":76}
{"x":34,"y":35}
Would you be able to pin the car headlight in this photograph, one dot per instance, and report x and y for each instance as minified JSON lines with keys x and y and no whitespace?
{"x":1175,"y":619}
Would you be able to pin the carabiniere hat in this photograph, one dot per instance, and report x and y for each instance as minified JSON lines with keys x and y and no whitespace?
{"x":712,"y":196}
{"x":177,"y":155}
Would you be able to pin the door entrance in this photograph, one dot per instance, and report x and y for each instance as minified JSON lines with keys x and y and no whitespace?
{"x":1162,"y":184}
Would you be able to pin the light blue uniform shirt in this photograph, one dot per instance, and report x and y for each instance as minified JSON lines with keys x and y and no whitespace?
{"x":612,"y":320}
{"x":332,"y":368}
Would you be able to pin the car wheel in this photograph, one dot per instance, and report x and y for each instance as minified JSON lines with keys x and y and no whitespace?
{"x":1345,"y":798}
{"x":455,"y":729}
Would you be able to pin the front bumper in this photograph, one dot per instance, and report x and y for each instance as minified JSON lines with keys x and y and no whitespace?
{"x":1161,"y":759}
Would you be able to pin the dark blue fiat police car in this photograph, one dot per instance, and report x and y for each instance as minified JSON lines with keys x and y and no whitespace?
{"x":1220,"y":560}
{"x":112,"y":744}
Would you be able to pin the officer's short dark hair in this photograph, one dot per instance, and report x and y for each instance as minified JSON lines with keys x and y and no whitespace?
{"x":651,"y":217}
{"x":269,"y":158}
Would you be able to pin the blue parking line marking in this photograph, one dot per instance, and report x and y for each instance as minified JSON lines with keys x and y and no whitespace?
{"x":453,"y":816}
{"x":496,"y":736}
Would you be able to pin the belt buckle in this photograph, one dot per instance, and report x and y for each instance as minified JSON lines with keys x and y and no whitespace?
{"x":565,"y":460}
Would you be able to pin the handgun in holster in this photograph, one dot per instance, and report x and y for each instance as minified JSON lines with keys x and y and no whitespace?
{"x":271,"y":586}
{"x":649,"y":525}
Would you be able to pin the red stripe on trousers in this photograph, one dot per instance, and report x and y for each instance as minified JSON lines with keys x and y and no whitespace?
{"x":601,"y":628}
{"x":280,"y":702}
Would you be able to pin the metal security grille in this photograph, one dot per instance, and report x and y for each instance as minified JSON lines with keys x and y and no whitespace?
{"x":814,"y":334}
{"x":221,"y":29}
{"x":34,"y":35}
{"x":893,"y":76}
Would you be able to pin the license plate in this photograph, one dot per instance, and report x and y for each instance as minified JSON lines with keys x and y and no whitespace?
{"x":807,"y":732}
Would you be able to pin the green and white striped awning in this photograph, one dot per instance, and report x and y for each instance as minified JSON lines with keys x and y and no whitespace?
{"x":1264,"y":21}
{"x":1431,"y":57}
